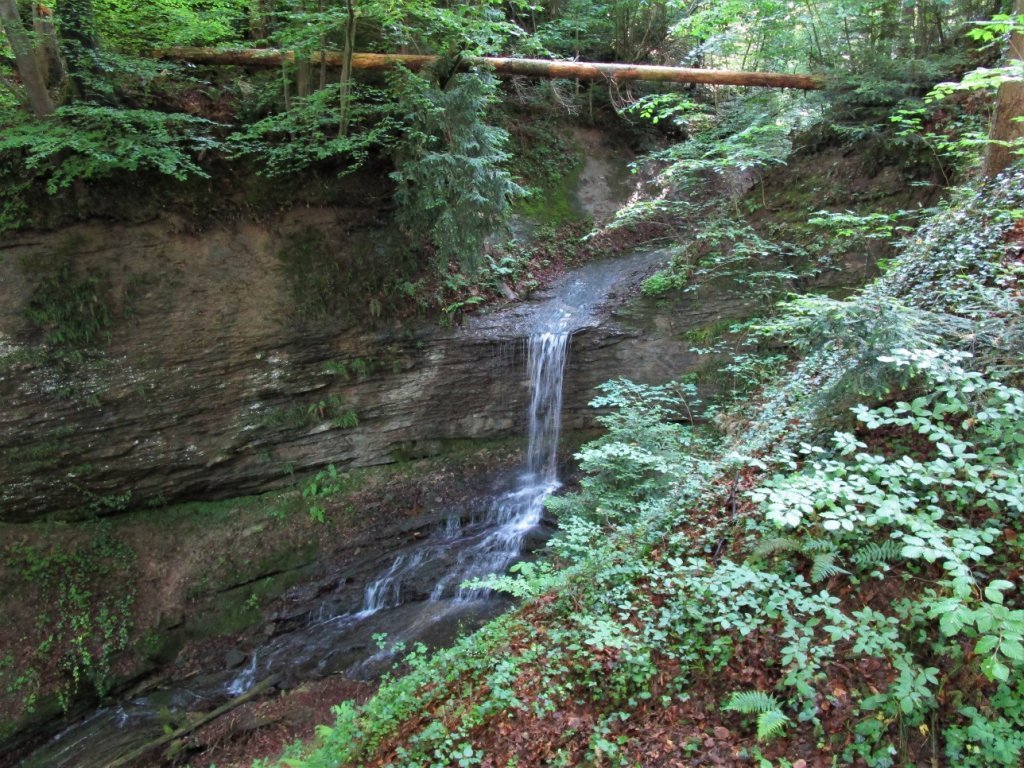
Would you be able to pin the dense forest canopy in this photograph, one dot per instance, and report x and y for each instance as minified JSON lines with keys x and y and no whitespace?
{"x":83,"y":99}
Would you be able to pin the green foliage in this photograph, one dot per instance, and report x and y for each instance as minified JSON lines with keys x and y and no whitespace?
{"x":324,"y":485}
{"x":863,"y":330}
{"x":956,"y":144}
{"x":728,"y":252}
{"x":945,"y":506}
{"x":976,"y":462}
{"x":543,"y":152}
{"x":821,"y":553}
{"x":771,"y":720}
{"x":863,"y":227}
{"x":357,"y":368}
{"x":420,"y":25}
{"x":744,"y":136}
{"x":676,"y":108}
{"x":451,"y":185}
{"x":45,"y":452}
{"x":71,"y":310}
{"x":141,"y":27}
{"x":86,"y":594}
{"x":647,"y":447}
{"x":607,"y":30}
{"x":964,"y":138}
{"x":86,"y":142}
{"x":664,"y":281}
{"x":309,"y":132}
{"x":991,"y":734}
{"x":524,"y":580}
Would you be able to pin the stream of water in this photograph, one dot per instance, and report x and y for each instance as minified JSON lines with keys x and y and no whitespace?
{"x":463,"y":547}
{"x":460,"y":550}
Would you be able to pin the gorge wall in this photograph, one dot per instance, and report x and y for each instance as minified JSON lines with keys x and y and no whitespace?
{"x":210,"y":384}
{"x":208,"y":387}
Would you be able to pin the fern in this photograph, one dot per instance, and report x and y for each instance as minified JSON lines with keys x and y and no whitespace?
{"x":751,"y":702}
{"x":770,"y":717}
{"x":771,"y":723}
{"x":872,"y":553}
{"x":817,"y":545}
{"x":821,"y":552}
{"x":775,"y":545}
{"x":823,"y":566}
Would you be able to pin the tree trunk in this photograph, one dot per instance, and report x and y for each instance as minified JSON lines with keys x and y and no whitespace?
{"x":76,"y":30}
{"x":257,"y":690}
{"x":47,"y":47}
{"x":543,"y":68}
{"x":1007,"y":124}
{"x":303,"y":76}
{"x":260,"y":13}
{"x":27,"y":60}
{"x":346,"y":69}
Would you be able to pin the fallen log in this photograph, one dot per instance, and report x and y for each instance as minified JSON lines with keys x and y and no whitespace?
{"x":541,"y":68}
{"x":258,"y":689}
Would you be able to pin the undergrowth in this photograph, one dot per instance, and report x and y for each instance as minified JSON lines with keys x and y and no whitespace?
{"x":837,"y":581}
{"x":85,"y":597}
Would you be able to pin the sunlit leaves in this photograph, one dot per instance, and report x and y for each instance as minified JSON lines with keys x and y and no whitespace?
{"x":134,"y":27}
{"x":86,"y":142}
{"x":452,"y":187}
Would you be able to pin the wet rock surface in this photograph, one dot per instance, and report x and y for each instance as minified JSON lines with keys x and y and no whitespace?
{"x":211,"y":391}
{"x":313,"y":630}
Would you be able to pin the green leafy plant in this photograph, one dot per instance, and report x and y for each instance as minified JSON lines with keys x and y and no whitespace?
{"x":771,"y":720}
{"x":326,"y":484}
{"x":448,"y":165}
{"x":309,"y":133}
{"x":86,"y":602}
{"x":85,"y":142}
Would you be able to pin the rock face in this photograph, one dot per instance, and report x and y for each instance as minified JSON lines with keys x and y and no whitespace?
{"x":209,"y":387}
{"x":232,"y":361}
{"x":229,"y":361}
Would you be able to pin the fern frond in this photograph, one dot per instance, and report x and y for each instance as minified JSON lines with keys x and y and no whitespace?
{"x":817,"y":545}
{"x":770,"y":717}
{"x":873,"y":553}
{"x":751,"y":702}
{"x":770,"y":724}
{"x":775,"y":545}
{"x":823,"y":566}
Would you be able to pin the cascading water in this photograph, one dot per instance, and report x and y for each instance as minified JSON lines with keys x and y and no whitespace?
{"x":513,"y":515}
{"x":492,"y":543}
{"x":465,"y":546}
{"x":461,"y":550}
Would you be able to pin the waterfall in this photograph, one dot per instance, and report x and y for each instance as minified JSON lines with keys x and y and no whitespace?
{"x":460,"y":549}
{"x":386,"y":592}
{"x":513,"y":515}
{"x":496,"y":541}
{"x":409,"y":600}
{"x":547,"y":353}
